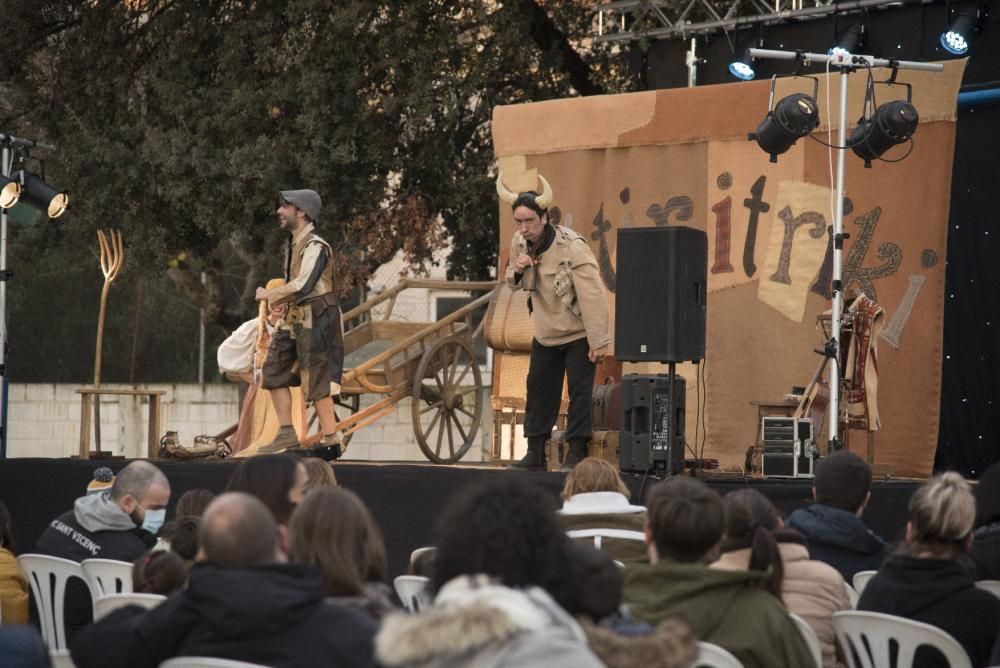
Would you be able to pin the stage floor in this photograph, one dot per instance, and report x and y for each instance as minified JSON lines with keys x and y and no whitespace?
{"x":406,"y":498}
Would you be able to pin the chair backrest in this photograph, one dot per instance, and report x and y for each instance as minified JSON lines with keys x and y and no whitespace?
{"x":413,"y":591}
{"x":600,"y":534}
{"x":992,"y":586}
{"x":207,"y":662}
{"x":106,"y":604}
{"x":47,"y":577}
{"x":713,"y":656}
{"x":852,"y":595}
{"x":418,"y":552}
{"x":861,"y":579}
{"x":812,"y":640}
{"x":866,"y":638}
{"x":107,"y":576}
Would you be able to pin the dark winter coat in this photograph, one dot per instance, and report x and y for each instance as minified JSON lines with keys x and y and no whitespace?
{"x":275,"y":615}
{"x":940,"y":592}
{"x":839,"y":538}
{"x":986,"y":551}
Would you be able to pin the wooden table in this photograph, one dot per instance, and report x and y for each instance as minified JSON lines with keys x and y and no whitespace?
{"x":87,"y":398}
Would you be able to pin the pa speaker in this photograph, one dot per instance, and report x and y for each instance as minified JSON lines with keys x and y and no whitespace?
{"x":652,"y":435}
{"x":660,"y":305}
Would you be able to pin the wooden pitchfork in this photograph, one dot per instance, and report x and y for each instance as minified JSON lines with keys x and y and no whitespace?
{"x":112,"y":255}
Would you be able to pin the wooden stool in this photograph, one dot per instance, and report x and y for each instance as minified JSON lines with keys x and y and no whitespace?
{"x":89,"y":394}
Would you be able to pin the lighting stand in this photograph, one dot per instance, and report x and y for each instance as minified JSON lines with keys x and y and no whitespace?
{"x":7,"y":144}
{"x":847,"y":64}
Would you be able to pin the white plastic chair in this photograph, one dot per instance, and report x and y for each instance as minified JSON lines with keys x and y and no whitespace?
{"x":413,"y":591}
{"x":600,"y":534}
{"x":107,"y":576}
{"x":992,"y":586}
{"x":713,"y":656}
{"x":111,"y":602}
{"x":419,"y":551}
{"x":866,"y":637}
{"x":812,"y":640}
{"x":48,"y":576}
{"x":861,"y":579}
{"x":852,"y":595}
{"x":60,"y":658}
{"x":207,"y":662}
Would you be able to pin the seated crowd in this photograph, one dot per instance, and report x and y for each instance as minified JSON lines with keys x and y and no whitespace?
{"x":285,"y":568}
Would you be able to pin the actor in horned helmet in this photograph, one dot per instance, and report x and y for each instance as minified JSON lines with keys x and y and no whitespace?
{"x":307,"y":349}
{"x":570,"y":318}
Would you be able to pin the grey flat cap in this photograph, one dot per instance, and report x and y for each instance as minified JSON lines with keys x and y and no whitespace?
{"x":306,"y":200}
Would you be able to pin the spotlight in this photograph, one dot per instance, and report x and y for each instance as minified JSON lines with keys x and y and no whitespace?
{"x":955,"y":39}
{"x":41,"y":195}
{"x":10,"y":192}
{"x":742,"y":67}
{"x":793,"y":117}
{"x":892,"y":123}
{"x":849,"y":41}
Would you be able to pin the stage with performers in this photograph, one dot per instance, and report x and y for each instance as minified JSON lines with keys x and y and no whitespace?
{"x":405,"y":498}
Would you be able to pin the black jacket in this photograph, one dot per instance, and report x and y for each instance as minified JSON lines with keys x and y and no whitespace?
{"x":940,"y":592}
{"x":274,"y":615}
{"x":839,"y":538}
{"x":986,"y":551}
{"x":94,"y":529}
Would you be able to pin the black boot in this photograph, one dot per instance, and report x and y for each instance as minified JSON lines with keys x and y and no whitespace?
{"x":535,"y":458}
{"x":577,"y":451}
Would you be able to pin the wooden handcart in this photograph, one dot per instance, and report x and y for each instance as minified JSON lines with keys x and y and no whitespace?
{"x":432,"y":363}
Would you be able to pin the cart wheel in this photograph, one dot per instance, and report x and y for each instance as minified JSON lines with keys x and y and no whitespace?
{"x":447,"y":400}
{"x":344,"y":406}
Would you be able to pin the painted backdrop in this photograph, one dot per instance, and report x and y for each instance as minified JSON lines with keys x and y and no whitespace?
{"x":681,"y":157}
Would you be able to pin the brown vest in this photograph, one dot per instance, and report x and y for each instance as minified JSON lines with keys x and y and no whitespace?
{"x":294,"y":264}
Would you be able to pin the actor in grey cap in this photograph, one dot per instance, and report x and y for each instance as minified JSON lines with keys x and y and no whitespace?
{"x":307,"y":349}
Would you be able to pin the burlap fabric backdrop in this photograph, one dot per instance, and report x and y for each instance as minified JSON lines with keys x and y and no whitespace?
{"x":681,"y":157}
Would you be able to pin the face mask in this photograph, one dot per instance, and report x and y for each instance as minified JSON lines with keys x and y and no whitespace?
{"x":154,"y":520}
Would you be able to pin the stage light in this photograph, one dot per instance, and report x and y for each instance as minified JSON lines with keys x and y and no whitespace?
{"x":41,"y":195}
{"x":892,"y":123}
{"x":955,"y":39}
{"x":10,"y":192}
{"x":742,"y":67}
{"x":849,"y":41}
{"x":793,"y":117}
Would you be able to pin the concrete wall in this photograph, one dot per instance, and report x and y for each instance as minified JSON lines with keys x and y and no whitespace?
{"x":44,"y":421}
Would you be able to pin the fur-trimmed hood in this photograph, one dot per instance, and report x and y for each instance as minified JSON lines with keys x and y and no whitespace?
{"x":469,"y":614}
{"x":599,"y":503}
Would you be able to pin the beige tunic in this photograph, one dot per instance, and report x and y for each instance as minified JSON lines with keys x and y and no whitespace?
{"x":569,"y":300}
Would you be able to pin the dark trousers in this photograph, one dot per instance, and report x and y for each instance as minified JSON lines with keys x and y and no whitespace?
{"x":549,"y":364}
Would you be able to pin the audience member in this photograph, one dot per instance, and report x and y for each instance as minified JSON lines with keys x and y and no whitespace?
{"x":180,"y":536}
{"x":333,"y":530}
{"x":756,"y":540}
{"x":319,"y":472}
{"x":21,"y":646}
{"x":277,"y":480}
{"x":193,"y":502}
{"x":832,"y":526}
{"x":119,"y":524}
{"x":13,"y":584}
{"x":595,"y":497}
{"x":985,"y":550}
{"x":159,"y":572}
{"x":733,"y":609}
{"x":242,"y":603}
{"x":928,"y":580}
{"x":499,"y":547}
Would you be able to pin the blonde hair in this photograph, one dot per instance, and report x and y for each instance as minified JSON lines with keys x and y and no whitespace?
{"x":593,"y":474}
{"x":320,"y":473}
{"x":942,"y":511}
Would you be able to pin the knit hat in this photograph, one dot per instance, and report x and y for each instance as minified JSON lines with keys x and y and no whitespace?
{"x":103,"y":477}
{"x":306,"y":200}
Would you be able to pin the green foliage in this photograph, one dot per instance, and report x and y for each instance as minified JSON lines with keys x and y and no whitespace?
{"x":177,"y":121}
